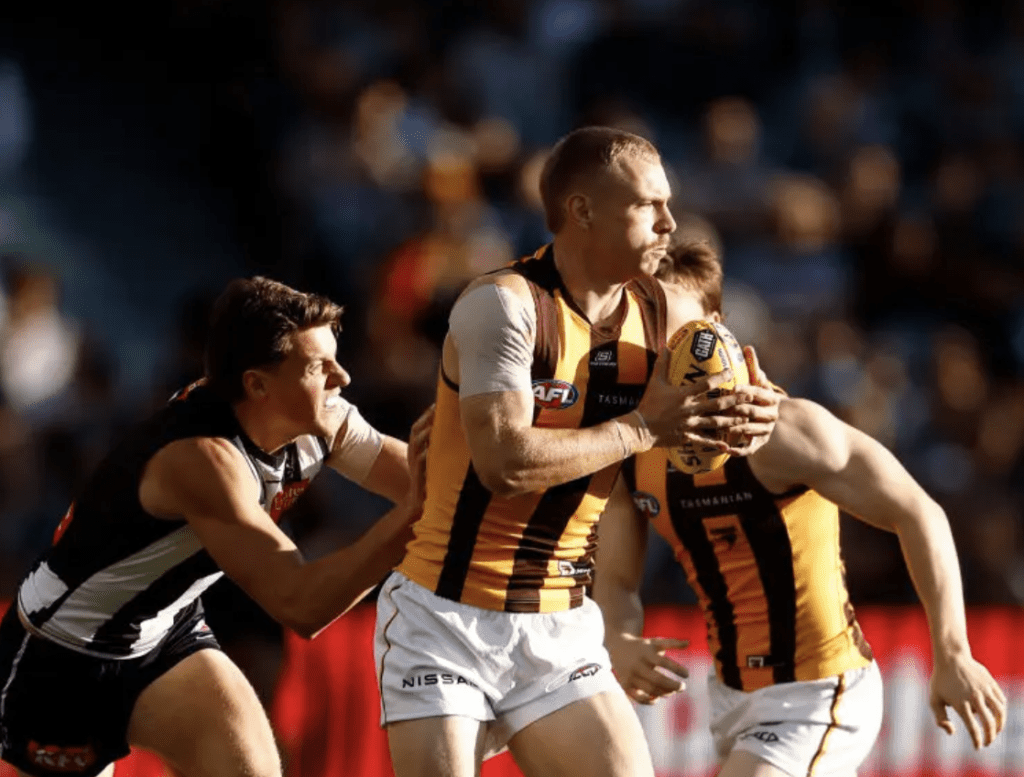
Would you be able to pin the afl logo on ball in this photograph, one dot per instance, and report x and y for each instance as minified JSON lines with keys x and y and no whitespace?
{"x":554,"y":394}
{"x":703,"y":345}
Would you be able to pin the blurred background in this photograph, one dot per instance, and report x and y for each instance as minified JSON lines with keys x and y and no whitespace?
{"x":860,"y":165}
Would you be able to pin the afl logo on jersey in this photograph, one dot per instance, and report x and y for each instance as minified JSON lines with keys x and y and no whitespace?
{"x":554,"y":394}
{"x":646,"y":504}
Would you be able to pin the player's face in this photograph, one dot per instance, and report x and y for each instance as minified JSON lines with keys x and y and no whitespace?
{"x":304,"y":390}
{"x":631,"y":221}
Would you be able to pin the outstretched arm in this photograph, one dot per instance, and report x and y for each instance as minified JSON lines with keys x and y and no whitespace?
{"x":813,"y":447}
{"x":622,"y":545}
{"x":207,"y":481}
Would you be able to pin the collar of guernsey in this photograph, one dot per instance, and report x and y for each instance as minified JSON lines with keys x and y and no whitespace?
{"x":766,"y":569}
{"x":534,"y":552}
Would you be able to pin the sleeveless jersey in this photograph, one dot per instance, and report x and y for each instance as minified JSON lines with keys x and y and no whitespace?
{"x":116,"y":578}
{"x":534,"y":552}
{"x":766,"y":569}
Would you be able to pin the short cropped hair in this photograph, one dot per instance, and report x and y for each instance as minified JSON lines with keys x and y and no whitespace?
{"x":250,"y":325}
{"x":695,"y":265}
{"x":583,"y":152}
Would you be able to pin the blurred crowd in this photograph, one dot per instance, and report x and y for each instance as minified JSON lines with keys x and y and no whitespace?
{"x":860,"y":169}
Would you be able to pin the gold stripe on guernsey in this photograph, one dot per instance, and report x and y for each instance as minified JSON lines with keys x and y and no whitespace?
{"x":832,"y":726}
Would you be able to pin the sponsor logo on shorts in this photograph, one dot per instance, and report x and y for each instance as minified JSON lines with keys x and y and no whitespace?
{"x":763,"y":736}
{"x":646,"y":503}
{"x":61,"y":759}
{"x":553,"y":394}
{"x":435,"y":678}
{"x":703,"y":344}
{"x":587,"y":670}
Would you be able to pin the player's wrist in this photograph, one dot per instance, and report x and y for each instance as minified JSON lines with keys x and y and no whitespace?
{"x":634,"y":433}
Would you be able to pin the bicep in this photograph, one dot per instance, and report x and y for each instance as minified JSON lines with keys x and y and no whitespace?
{"x":208,"y":484}
{"x":871,"y":484}
{"x":622,"y":541}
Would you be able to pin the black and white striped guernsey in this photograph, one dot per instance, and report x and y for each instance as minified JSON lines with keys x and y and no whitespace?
{"x":116,"y":578}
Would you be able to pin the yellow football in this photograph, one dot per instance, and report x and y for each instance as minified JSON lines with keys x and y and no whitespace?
{"x":698,"y":349}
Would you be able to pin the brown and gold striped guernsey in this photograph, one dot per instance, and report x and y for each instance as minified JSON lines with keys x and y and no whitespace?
{"x":766,"y":569}
{"x":534,"y":552}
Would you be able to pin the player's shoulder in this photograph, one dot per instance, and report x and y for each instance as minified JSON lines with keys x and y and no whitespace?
{"x":506,"y":278}
{"x":807,"y":438}
{"x":197,"y":459}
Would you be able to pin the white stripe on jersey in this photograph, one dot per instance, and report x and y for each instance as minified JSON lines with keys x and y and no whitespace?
{"x":7,"y":685}
{"x":81,"y":615}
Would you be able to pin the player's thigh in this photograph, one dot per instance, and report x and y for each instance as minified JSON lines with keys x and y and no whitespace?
{"x":615,"y":741}
{"x":742,"y":763}
{"x":443,"y":746}
{"x":203,"y":717}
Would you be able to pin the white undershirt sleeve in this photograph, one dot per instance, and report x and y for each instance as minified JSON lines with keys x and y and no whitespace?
{"x":494,"y":332}
{"x":357,"y":446}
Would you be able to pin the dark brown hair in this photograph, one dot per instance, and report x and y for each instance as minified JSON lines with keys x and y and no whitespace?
{"x":250,"y":326}
{"x":695,"y":265}
{"x":582,"y":152}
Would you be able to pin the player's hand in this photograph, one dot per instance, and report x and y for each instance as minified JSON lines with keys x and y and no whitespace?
{"x":674,"y":414}
{"x":636,"y":661}
{"x":419,"y":443}
{"x":967,"y":686}
{"x":758,"y":407}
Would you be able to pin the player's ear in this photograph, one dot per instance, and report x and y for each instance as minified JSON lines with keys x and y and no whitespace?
{"x":716,"y":316}
{"x":578,"y":206}
{"x":255,"y":384}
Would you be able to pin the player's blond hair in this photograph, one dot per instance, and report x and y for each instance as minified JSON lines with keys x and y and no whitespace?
{"x":695,"y":265}
{"x":581,"y":153}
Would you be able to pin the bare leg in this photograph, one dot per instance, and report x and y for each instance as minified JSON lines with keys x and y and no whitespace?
{"x":449,"y":746}
{"x":205,"y":720}
{"x":615,"y":741}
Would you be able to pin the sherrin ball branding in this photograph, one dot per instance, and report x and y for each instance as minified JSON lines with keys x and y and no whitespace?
{"x":698,"y":349}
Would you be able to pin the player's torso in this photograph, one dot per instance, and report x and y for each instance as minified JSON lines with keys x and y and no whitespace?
{"x":116,"y":577}
{"x":766,"y":569}
{"x":533,"y":553}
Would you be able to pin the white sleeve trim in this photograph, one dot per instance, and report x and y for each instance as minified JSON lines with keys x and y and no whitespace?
{"x":356,"y":450}
{"x":494,"y":332}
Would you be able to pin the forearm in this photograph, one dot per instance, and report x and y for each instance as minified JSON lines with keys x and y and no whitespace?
{"x":537,"y":458}
{"x":329,"y":587}
{"x":621,"y":608}
{"x":931,"y":558}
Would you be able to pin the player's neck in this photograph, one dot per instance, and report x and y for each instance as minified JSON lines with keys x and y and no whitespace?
{"x":595,"y":294}
{"x":259,"y":429}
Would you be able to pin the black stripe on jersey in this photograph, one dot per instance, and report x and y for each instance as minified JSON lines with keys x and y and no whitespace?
{"x":110,"y":637}
{"x":769,"y":541}
{"x":86,"y":549}
{"x":690,"y":529}
{"x":325,"y":448}
{"x":541,"y":535}
{"x":469,"y":513}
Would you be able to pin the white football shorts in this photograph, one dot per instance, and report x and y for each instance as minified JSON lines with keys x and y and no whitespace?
{"x":438,"y":657}
{"x":813,"y":728}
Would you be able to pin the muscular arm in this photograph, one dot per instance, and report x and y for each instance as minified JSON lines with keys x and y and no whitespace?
{"x":207,"y":481}
{"x":813,"y":447}
{"x":489,"y":352}
{"x":622,"y":546}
